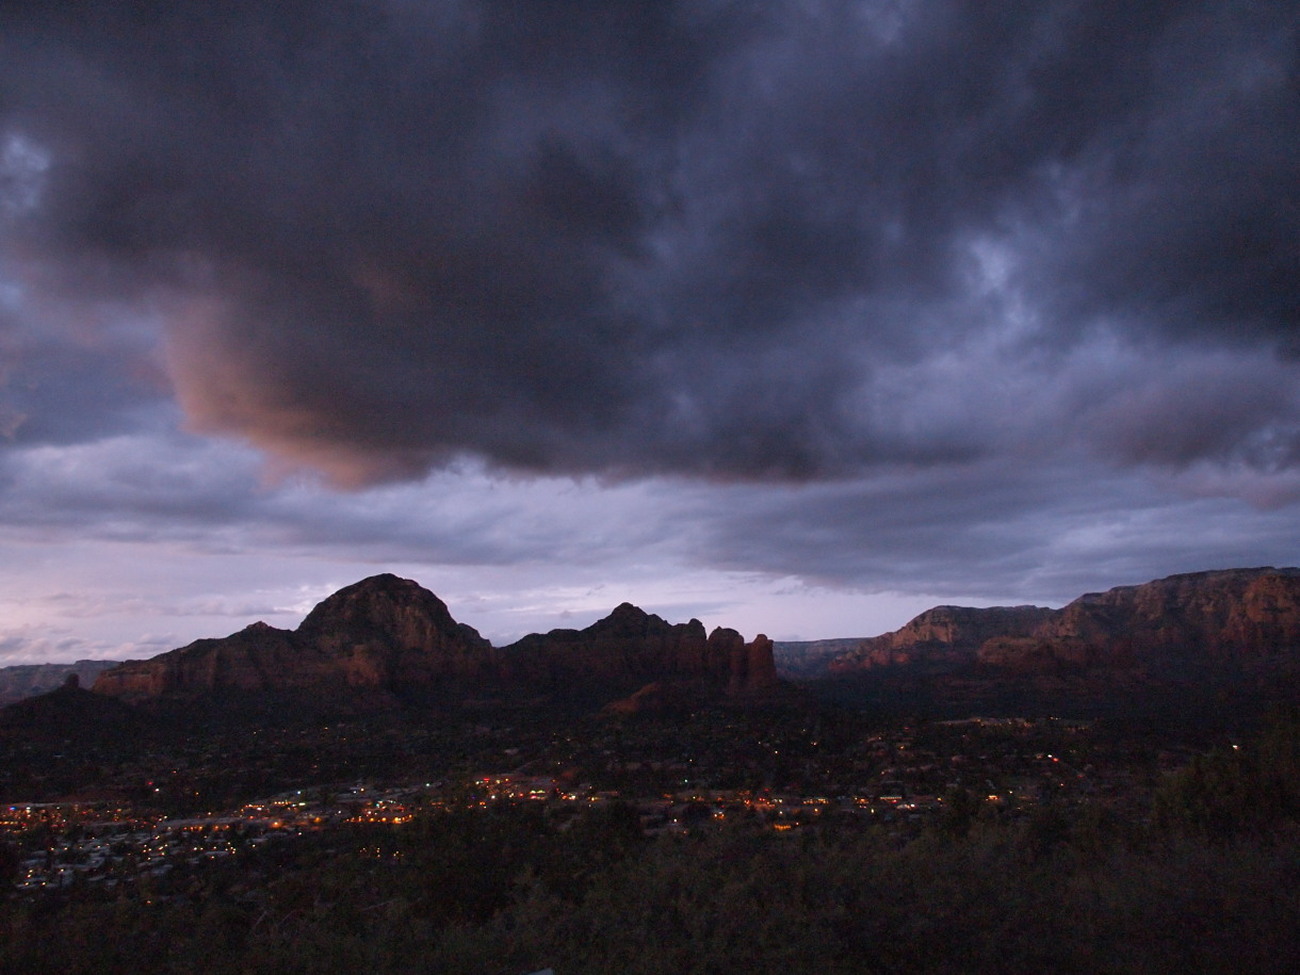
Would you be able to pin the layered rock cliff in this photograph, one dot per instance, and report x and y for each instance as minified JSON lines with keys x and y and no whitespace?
{"x":392,"y":636}
{"x":1221,"y":614}
{"x":942,"y":636}
{"x":626,"y":646}
{"x":630,"y":648}
{"x":382,"y":633}
{"x":21,"y":681}
{"x":808,"y":659}
{"x":1230,"y":611}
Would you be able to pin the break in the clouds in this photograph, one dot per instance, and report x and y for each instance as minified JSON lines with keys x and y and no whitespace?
{"x":999,"y":296}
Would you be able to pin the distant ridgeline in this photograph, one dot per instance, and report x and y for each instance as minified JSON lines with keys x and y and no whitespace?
{"x":27,"y":680}
{"x":385,"y":641}
{"x":1223,"y":616}
{"x":394,"y":641}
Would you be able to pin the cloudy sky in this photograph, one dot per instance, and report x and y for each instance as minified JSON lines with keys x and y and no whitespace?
{"x":792,"y":316}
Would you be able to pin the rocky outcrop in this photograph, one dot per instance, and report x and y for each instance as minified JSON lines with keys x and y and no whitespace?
{"x":750,"y":676}
{"x":809,"y":659}
{"x":392,"y":636}
{"x":390,"y":632}
{"x":1267,"y":617}
{"x":1038,"y":655}
{"x":631,"y":648}
{"x":258,"y":657}
{"x":627,"y":648}
{"x":382,"y":633}
{"x":756,"y":674}
{"x":943,"y":636}
{"x":1223,"y":614}
{"x":728,"y":645}
{"x":27,"y":680}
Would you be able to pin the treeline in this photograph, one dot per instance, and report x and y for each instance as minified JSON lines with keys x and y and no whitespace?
{"x":1240,"y":790}
{"x":1210,"y":882}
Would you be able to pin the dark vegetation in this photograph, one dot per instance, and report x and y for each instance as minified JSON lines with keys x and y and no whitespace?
{"x":1202,"y":876}
{"x":1176,"y":694}
{"x":503,"y":892}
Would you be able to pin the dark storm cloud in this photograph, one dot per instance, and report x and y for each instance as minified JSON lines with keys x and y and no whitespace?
{"x":662,"y":238}
{"x":988,"y":532}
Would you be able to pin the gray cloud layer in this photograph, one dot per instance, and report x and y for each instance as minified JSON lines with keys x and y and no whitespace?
{"x":769,"y":240}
